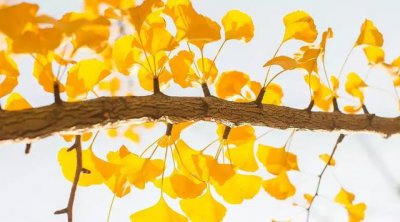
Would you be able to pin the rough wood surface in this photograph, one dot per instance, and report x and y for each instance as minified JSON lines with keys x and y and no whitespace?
{"x":32,"y":124}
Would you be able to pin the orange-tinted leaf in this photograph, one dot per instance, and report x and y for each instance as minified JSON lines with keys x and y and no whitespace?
{"x":16,"y":102}
{"x":276,"y":160}
{"x":9,"y":69}
{"x":285,"y":62}
{"x":374,"y":54}
{"x":279,"y":187}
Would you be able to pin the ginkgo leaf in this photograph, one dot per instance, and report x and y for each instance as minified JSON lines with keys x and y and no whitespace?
{"x":243,"y":157}
{"x":16,"y":102}
{"x":239,"y":187}
{"x":9,"y":69}
{"x":83,"y":76}
{"x":148,"y":73}
{"x":231,"y":83}
{"x":67,"y":160}
{"x":181,"y":185}
{"x":238,"y":135}
{"x":139,"y":170}
{"x":238,"y":25}
{"x":38,"y":40}
{"x":344,"y":197}
{"x":208,"y":69}
{"x":285,"y":62}
{"x":273,"y":94}
{"x":369,"y":35}
{"x":84,"y":137}
{"x":299,"y":25}
{"x":210,"y":210}
{"x":322,"y":95}
{"x":160,"y":212}
{"x":156,"y":39}
{"x":307,"y":58}
{"x":43,"y":72}
{"x":354,"y":86}
{"x":113,"y":85}
{"x":374,"y":54}
{"x":309,"y":198}
{"x":124,"y":53}
{"x":139,"y":13}
{"x":88,"y":29}
{"x":326,"y":157}
{"x":182,"y":72}
{"x":196,"y":28}
{"x":276,"y":160}
{"x":279,"y":187}
{"x":356,"y":212}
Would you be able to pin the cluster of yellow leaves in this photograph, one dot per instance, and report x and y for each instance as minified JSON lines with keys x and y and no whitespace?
{"x":237,"y":86}
{"x":355,"y":211}
{"x":121,"y":170}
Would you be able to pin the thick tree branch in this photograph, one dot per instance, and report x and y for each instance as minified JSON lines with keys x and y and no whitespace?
{"x":104,"y":112}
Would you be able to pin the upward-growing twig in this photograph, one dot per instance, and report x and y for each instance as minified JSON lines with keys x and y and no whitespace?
{"x":338,"y":141}
{"x":77,"y":146}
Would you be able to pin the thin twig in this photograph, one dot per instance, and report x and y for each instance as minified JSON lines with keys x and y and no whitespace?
{"x":69,"y":209}
{"x":338,"y":141}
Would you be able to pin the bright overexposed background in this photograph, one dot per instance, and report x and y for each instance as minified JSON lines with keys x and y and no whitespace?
{"x":32,"y":186}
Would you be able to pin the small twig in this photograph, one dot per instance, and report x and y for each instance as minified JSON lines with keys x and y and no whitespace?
{"x":57,"y":98}
{"x":226,"y":132}
{"x":28,"y":148}
{"x":335,"y":105}
{"x":168,"y":131}
{"x":156,"y":85}
{"x":206,"y":90}
{"x":338,"y":141}
{"x":260,"y":97}
{"x":69,"y":209}
{"x":310,"y":106}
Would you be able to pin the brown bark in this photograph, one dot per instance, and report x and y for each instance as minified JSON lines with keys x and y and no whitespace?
{"x":32,"y":124}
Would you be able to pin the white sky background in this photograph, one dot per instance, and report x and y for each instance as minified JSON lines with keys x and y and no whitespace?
{"x":32,"y":187}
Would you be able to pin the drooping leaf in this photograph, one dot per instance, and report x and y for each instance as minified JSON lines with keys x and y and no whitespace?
{"x":160,"y":212}
{"x":210,"y":210}
{"x":279,"y":187}
{"x":276,"y":160}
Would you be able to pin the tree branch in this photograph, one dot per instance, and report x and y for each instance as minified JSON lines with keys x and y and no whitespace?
{"x":69,"y":209}
{"x":105,"y":112}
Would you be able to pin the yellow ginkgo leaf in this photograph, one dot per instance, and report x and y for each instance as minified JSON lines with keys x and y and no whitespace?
{"x":344,"y":197}
{"x":43,"y":72}
{"x":156,"y":39}
{"x":375,"y":55}
{"x":196,"y":28}
{"x":113,"y":85}
{"x":299,"y":25}
{"x":148,"y":73}
{"x":352,"y":109}
{"x":354,"y":86}
{"x":238,"y":135}
{"x":285,"y":62}
{"x":238,"y":25}
{"x":182,"y":72}
{"x":230,"y":84}
{"x":139,"y":13}
{"x":273,"y":94}
{"x":276,"y":160}
{"x":139,"y":170}
{"x":181,"y":185}
{"x":124,"y":53}
{"x":239,"y":188}
{"x":210,"y":210}
{"x":9,"y":69}
{"x":242,"y":156}
{"x":369,"y":35}
{"x":184,"y":158}
{"x":356,"y":212}
{"x":160,"y":212}
{"x":279,"y":187}
{"x":67,"y":162}
{"x":16,"y":102}
{"x":326,"y":157}
{"x":309,"y":198}
{"x":208,"y":69}
{"x":83,"y":76}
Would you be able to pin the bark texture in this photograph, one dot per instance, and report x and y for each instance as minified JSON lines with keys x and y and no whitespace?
{"x":31,"y":124}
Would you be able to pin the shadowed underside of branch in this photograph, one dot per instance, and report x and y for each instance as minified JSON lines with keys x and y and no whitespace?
{"x":105,"y":112}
